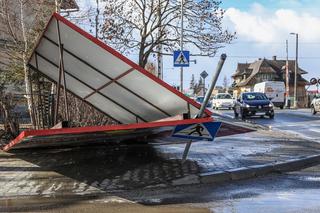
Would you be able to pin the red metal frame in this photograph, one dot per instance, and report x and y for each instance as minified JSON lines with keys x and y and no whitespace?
{"x":92,"y":129}
{"x":110,"y":82}
{"x":123,"y":58}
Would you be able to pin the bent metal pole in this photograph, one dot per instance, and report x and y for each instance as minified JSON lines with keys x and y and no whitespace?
{"x":213,"y":84}
{"x":205,"y":101}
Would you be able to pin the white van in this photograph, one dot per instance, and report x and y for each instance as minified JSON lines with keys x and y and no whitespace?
{"x":274,"y":90}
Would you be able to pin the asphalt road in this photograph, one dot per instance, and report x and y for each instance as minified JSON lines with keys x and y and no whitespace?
{"x":296,"y":122}
{"x":291,"y":192}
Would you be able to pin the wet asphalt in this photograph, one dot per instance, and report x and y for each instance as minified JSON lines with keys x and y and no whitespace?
{"x":299,"y":122}
{"x":289,"y":192}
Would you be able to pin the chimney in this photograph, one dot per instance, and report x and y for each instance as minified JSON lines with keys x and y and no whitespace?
{"x":274,"y":57}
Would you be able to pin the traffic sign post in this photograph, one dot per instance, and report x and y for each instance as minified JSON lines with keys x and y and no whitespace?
{"x":181,"y":58}
{"x":203,"y":131}
{"x":204,"y":74}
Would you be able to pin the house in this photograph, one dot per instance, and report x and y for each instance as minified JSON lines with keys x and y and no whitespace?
{"x":249,"y":74}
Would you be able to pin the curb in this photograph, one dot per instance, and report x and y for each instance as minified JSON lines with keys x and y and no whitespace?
{"x":259,"y":170}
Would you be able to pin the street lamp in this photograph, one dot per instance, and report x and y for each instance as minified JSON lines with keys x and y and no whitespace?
{"x":295,"y":72}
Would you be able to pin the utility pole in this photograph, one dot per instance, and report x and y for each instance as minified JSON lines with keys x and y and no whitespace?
{"x":295,"y":71}
{"x":204,"y":86}
{"x":97,"y":19}
{"x":181,"y":46}
{"x":287,"y":77}
{"x":159,"y":55}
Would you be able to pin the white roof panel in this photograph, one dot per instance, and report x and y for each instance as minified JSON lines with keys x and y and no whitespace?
{"x":104,"y":78}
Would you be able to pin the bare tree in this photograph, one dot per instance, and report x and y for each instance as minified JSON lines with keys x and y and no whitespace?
{"x":21,"y":22}
{"x":225,"y":83}
{"x":131,"y":25}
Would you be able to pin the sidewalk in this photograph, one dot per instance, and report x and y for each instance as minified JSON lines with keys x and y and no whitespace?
{"x":101,"y":169}
{"x":246,"y":156}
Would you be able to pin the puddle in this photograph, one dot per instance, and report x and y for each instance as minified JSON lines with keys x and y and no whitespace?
{"x":285,"y":201}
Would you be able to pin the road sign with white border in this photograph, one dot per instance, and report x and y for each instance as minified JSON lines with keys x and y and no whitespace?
{"x":181,"y":58}
{"x":204,"y":74}
{"x":203,"y":131}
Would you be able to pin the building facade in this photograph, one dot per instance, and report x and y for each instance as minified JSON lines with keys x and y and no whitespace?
{"x":249,"y":74}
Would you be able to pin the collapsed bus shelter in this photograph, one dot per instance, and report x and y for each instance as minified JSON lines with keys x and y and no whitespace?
{"x":105,"y":79}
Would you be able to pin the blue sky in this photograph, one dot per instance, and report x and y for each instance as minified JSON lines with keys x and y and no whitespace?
{"x":262,"y":28}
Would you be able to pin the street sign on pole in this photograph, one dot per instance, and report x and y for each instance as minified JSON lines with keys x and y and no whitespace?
{"x":181,"y":58}
{"x":203,"y":131}
{"x":204,"y":74}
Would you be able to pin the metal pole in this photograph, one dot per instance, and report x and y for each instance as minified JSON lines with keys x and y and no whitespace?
{"x":287,"y":77}
{"x":206,"y":99}
{"x":181,"y":47}
{"x":97,"y":19}
{"x":66,"y":107}
{"x":204,"y":86}
{"x":213,"y":83}
{"x":64,"y":85}
{"x":33,"y":121}
{"x":59,"y":81}
{"x":295,"y":73}
{"x":160,"y":75}
{"x":186,"y":151}
{"x":40,"y":102}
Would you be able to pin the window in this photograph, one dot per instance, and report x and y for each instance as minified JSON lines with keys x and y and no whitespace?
{"x":254,"y":96}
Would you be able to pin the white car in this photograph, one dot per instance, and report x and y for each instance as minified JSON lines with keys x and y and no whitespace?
{"x":315,"y":105}
{"x":223,"y":100}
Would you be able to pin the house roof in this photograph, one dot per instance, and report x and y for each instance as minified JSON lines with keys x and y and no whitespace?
{"x":241,"y":68}
{"x":265,"y":66}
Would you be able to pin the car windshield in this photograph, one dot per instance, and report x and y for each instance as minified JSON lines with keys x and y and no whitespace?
{"x":224,"y":96}
{"x":254,"y":96}
{"x":200,"y":99}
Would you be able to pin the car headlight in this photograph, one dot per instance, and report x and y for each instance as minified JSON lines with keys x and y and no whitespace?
{"x":271,"y":104}
{"x":246,"y":105}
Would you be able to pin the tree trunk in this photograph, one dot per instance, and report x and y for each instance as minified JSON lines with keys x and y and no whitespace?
{"x":25,"y":68}
{"x":10,"y":125}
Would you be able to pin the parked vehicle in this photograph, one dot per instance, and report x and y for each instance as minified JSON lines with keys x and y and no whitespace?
{"x":200,"y":100}
{"x":253,"y":103}
{"x":274,"y":90}
{"x":315,"y":104}
{"x":222,"y":100}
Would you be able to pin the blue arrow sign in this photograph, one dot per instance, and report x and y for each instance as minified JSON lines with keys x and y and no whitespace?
{"x":181,"y":58}
{"x":203,"y":131}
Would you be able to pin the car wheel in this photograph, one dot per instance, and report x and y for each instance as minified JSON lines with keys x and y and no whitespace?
{"x":313,"y":110}
{"x":271,"y":116}
{"x":243,"y":115}
{"x":236,"y":115}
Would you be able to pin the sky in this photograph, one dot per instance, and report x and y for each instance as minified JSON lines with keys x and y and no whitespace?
{"x":262,"y":28}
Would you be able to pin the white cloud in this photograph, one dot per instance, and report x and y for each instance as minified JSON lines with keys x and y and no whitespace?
{"x":261,"y":25}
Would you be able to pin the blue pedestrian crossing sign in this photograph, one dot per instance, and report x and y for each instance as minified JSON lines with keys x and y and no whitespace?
{"x":181,"y":58}
{"x":201,"y":131}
